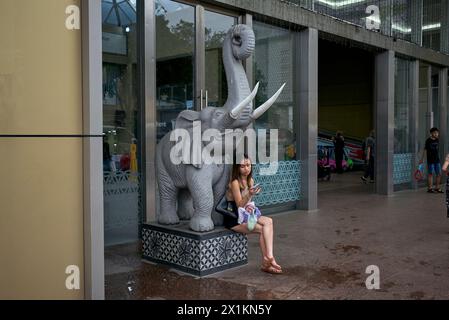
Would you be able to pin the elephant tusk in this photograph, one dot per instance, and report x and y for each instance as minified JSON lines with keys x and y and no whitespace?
{"x":238,"y":109}
{"x":263,"y":108}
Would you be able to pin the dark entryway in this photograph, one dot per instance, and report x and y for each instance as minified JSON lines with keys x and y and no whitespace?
{"x":345,"y":104}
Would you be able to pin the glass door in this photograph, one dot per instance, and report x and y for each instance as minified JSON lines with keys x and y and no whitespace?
{"x":175,"y":62}
{"x":216,"y":26}
{"x":189,"y":64}
{"x":122,"y":171}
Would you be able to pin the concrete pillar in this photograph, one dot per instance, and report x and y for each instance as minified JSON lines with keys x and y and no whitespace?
{"x":414,"y":116}
{"x":306,"y":93}
{"x":416,"y":20}
{"x":147,"y":58}
{"x":384,"y":78}
{"x":429,"y":113}
{"x":92,"y":151}
{"x":442,"y":105}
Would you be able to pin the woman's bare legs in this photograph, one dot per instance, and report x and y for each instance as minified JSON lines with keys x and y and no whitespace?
{"x":263,"y":248}
{"x":267,"y":234}
{"x":264,"y":227}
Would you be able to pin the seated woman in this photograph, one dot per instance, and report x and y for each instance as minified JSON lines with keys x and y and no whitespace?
{"x":241,"y":190}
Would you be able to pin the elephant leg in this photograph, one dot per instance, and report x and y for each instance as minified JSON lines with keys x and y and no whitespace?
{"x":168,"y":207}
{"x":203,"y":202}
{"x":168,"y":194}
{"x":185,"y":205}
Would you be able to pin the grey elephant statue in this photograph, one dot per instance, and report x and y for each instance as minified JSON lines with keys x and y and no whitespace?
{"x":191,"y":190}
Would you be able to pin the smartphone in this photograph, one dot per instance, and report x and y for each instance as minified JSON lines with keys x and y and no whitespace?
{"x":255,"y":186}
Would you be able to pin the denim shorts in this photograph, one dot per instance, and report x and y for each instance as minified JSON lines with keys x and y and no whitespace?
{"x":434,"y":168}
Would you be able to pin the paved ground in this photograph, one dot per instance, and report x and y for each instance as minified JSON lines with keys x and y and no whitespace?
{"x":324,"y":253}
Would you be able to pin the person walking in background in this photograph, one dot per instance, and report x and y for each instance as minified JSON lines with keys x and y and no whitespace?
{"x":339,"y":147}
{"x":432,"y":149}
{"x":370,"y":154}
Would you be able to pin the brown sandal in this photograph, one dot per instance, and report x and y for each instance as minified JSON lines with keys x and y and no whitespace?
{"x":270,"y":269}
{"x":269,"y":265}
{"x":274,"y":264}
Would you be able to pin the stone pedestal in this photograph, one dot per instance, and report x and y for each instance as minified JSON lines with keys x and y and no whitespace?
{"x":197,"y":253}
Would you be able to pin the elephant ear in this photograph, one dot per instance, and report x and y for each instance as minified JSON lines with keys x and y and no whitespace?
{"x":185,"y":120}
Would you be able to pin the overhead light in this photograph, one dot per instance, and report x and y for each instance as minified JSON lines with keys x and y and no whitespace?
{"x":432,"y":26}
{"x":424,"y":28}
{"x":402,"y":29}
{"x":407,"y":29}
{"x":339,"y":4}
{"x":127,"y":29}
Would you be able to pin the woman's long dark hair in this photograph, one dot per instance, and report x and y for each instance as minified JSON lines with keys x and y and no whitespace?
{"x":235,"y":175}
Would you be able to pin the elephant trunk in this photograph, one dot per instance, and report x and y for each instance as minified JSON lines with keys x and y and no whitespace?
{"x":238,"y":45}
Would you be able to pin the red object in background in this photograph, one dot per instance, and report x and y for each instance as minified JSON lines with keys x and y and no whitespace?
{"x":125,"y":162}
{"x":419,"y":173}
{"x":355,"y":151}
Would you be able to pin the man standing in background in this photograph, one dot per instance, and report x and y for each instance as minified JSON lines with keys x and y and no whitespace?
{"x":339,"y":147}
{"x":432,"y":149}
{"x":370,"y":153}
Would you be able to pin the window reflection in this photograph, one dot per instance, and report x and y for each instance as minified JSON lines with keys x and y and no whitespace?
{"x":431,"y":30}
{"x":121,"y":122}
{"x":273,"y":66}
{"x":402,"y":143}
{"x":175,"y":41}
{"x":216,"y":28}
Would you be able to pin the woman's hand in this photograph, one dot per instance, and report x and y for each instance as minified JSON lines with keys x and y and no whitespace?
{"x":256,"y":190}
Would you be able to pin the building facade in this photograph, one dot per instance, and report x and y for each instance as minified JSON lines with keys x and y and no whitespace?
{"x":84,"y":108}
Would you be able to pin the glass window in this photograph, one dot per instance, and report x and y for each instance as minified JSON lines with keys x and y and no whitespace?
{"x":273,"y":66}
{"x":401,"y":21}
{"x":431,"y":28}
{"x":435,"y":106}
{"x":401,"y":107}
{"x":121,"y":124}
{"x":396,"y":18}
{"x":354,"y":11}
{"x":423,"y":127}
{"x":216,"y":28}
{"x":175,"y":44}
{"x":403,"y":158}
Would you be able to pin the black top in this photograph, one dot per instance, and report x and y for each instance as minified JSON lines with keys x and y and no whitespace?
{"x":371,"y":143}
{"x":339,"y":144}
{"x":433,"y":149}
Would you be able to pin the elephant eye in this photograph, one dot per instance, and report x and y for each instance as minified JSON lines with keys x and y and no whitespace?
{"x":237,"y":40}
